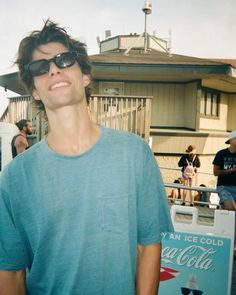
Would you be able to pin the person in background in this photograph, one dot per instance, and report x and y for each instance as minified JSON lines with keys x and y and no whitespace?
{"x":189,"y":161}
{"x":19,"y":142}
{"x":224,"y":167}
{"x":84,"y":209}
{"x":175,"y":193}
{"x":202,"y":197}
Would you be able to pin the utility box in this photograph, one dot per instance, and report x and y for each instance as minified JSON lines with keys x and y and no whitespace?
{"x":198,"y":258}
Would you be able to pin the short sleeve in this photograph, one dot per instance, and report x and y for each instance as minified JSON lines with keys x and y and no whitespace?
{"x":218,"y":160}
{"x":12,"y":253}
{"x":152,"y":207}
{"x":197,"y":162}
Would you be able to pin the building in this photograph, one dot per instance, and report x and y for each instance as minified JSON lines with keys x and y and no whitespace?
{"x":193,"y":99}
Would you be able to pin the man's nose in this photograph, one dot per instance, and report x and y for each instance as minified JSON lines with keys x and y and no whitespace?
{"x":53,"y":69}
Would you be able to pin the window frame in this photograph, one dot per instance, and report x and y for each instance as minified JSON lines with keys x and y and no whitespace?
{"x":210,"y":103}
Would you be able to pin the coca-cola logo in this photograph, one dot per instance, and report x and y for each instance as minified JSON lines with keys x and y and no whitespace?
{"x":192,"y":256}
{"x":196,"y":251}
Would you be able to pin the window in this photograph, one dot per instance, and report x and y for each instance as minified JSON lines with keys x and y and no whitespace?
{"x":111,"y":88}
{"x":210,"y":101}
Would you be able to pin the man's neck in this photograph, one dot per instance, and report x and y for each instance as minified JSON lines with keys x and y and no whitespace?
{"x":232,"y":149}
{"x":71,"y":130}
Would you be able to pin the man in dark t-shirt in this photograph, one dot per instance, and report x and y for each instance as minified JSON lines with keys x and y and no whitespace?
{"x":225,"y":168}
{"x":19,"y":142}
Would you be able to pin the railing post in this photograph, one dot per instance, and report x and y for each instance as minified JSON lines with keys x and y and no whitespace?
{"x":147,"y":119}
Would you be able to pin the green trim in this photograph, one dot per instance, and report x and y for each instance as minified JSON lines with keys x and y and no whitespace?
{"x":209,"y":69}
{"x":189,"y":133}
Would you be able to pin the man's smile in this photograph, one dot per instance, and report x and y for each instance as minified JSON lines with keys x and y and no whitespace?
{"x":59,"y":85}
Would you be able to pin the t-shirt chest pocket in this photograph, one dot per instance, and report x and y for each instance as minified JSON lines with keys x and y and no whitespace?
{"x":114,"y":213}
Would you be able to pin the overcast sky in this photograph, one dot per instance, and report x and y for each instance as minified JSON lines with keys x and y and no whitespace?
{"x":201,"y":28}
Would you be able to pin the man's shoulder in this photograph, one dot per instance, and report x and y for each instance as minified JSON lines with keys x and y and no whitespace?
{"x":19,"y":139}
{"x":124,"y":137}
{"x":222,"y":152}
{"x":128,"y":143}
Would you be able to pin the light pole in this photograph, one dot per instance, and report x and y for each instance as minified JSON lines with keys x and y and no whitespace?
{"x":147,"y":9}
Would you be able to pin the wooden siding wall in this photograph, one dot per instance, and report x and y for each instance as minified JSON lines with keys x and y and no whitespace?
{"x":190,"y":105}
{"x":220,"y":123}
{"x":231,"y":120}
{"x":173,"y":105}
{"x":167,"y":104}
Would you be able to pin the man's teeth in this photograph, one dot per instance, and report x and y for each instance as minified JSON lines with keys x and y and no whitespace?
{"x":57,"y":85}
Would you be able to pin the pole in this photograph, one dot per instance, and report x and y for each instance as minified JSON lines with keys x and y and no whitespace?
{"x":145,"y":35}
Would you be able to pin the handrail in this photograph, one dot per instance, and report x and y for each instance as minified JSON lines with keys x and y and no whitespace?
{"x":179,"y":169}
{"x":193,"y":188}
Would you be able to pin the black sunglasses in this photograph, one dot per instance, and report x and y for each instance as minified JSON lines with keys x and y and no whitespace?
{"x":42,"y":66}
{"x":186,"y":291}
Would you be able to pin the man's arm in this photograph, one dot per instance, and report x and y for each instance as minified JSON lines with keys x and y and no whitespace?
{"x":217,"y":171}
{"x":12,"y":282}
{"x":148,"y":269}
{"x":21,"y":144}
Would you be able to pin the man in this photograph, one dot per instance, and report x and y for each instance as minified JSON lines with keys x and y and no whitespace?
{"x":87,"y":213}
{"x":19,"y":142}
{"x":225,"y":168}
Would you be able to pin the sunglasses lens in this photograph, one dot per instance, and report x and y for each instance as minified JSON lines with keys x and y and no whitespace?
{"x":65,"y":60}
{"x":185,"y":291}
{"x":42,"y":66}
{"x":39,"y":67}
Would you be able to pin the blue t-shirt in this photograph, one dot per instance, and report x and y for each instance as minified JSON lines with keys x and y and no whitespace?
{"x":75,"y":221}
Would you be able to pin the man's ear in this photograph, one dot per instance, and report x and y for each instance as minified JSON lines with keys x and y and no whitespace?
{"x":35,"y":94}
{"x":86,"y":80}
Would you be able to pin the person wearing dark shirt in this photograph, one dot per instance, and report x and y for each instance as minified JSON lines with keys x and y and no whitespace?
{"x":225,"y":168}
{"x":19,"y":142}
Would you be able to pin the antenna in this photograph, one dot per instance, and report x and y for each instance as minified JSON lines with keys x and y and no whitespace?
{"x":147,"y":9}
{"x":107,"y":34}
{"x":169,"y":42}
{"x":98,"y":41}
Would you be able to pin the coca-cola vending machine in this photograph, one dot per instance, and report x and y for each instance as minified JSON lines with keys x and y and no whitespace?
{"x":198,"y":258}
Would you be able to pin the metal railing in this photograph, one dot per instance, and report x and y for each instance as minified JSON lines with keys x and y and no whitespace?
{"x":128,"y":113}
{"x":179,"y":169}
{"x":194,"y":188}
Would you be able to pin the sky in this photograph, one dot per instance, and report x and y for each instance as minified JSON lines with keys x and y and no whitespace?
{"x":200,"y":28}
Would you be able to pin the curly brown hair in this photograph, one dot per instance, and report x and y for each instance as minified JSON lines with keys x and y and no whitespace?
{"x":50,"y":32}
